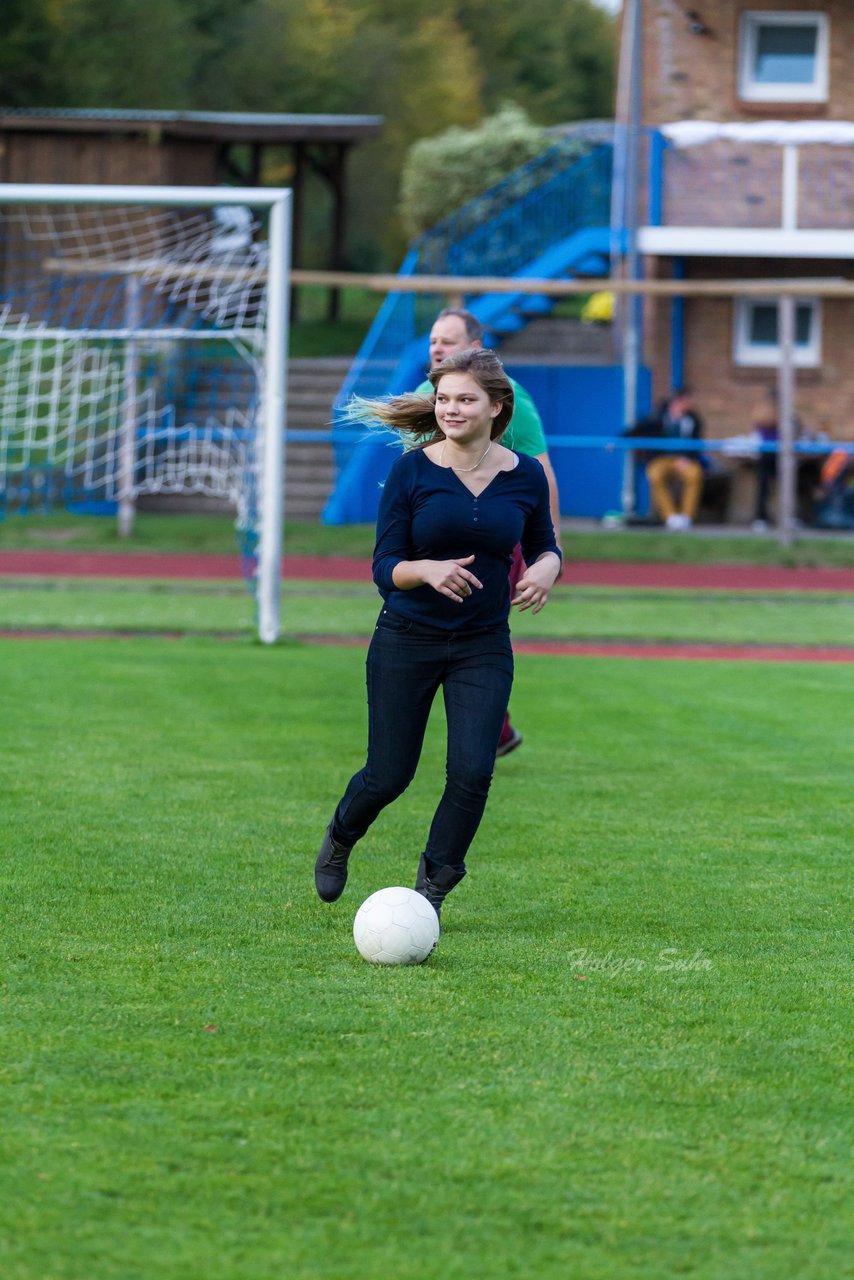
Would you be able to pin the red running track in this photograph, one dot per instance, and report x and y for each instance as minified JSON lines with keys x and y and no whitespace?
{"x":696,"y":577}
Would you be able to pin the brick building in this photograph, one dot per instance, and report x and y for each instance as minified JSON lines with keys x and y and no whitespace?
{"x":749,"y":175}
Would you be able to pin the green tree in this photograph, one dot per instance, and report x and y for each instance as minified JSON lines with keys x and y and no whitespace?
{"x":25,"y":53}
{"x":417,"y":70}
{"x":555,"y":60}
{"x":425,"y":65}
{"x":443,"y":172}
{"x":123,"y":53}
{"x":438,"y":86}
{"x":286,"y":55}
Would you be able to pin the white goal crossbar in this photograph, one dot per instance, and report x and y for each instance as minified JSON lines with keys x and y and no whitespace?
{"x":260,"y":330}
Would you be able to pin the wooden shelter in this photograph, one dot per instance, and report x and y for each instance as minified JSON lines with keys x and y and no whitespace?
{"x":193,"y":148}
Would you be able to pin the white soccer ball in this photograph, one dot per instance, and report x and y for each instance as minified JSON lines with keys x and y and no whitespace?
{"x":395,"y":926}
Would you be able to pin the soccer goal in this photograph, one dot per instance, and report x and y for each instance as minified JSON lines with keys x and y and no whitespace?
{"x":143,"y":344}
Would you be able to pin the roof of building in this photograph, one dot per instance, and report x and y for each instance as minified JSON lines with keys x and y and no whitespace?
{"x":224,"y":125}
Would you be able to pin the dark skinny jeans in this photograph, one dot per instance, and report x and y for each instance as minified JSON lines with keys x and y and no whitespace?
{"x":407,"y":663}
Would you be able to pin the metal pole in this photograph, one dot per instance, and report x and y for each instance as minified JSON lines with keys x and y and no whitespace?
{"x":270,"y":450}
{"x":339,"y":223}
{"x":297,"y":204}
{"x":786,"y":462}
{"x":127,"y":432}
{"x":631,"y":56}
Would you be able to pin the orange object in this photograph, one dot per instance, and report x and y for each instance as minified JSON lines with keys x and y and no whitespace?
{"x":835,"y":465}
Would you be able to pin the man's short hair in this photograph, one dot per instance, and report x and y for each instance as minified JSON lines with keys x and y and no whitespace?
{"x":474,"y":329}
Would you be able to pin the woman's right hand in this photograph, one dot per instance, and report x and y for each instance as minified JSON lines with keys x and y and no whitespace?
{"x":450,"y":578}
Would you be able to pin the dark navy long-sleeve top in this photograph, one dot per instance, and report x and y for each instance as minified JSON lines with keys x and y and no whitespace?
{"x":428,"y":513}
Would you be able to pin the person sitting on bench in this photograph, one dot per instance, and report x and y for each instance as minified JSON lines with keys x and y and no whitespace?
{"x":675,"y":478}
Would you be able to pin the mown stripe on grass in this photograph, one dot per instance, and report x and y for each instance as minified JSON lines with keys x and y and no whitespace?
{"x":681,"y":651}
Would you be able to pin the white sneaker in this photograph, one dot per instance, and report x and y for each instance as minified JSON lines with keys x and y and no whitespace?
{"x":685,"y":522}
{"x":760,"y":526}
{"x":673,"y":522}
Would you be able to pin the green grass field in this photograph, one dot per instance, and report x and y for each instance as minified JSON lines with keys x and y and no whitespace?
{"x":310,"y":609}
{"x":626,"y":1058}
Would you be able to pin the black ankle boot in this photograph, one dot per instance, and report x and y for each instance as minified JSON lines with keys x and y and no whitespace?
{"x":330,"y":869}
{"x":436,"y":885}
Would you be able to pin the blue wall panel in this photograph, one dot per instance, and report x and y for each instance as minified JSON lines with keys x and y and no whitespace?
{"x":573,"y":401}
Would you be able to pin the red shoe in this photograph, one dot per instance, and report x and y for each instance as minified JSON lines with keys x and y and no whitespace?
{"x":508,"y":743}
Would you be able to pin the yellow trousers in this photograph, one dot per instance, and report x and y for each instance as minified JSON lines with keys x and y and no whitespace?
{"x":686,"y":475}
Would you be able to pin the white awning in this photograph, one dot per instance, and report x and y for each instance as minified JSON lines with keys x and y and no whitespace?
{"x":743,"y":242}
{"x":694,"y":133}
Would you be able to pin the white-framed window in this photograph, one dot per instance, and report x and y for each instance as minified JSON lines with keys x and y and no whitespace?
{"x":757,"y":332}
{"x":783,"y":57}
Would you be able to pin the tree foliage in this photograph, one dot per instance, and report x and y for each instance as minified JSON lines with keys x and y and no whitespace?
{"x":25,"y":49}
{"x":425,"y":65}
{"x":555,"y":60}
{"x":87,"y":61}
{"x":444,"y":172}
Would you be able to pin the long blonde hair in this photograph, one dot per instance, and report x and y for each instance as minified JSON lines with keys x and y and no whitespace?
{"x":414,"y":415}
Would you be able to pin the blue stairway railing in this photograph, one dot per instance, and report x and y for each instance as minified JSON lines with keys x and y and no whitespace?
{"x":538,"y":205}
{"x":548,"y":218}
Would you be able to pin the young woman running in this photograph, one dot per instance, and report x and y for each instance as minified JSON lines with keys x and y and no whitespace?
{"x":451,"y":513}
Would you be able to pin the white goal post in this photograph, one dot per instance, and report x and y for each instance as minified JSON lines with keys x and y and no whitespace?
{"x":143,"y":350}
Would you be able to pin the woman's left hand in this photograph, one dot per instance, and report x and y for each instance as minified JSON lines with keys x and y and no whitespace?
{"x":532,"y":589}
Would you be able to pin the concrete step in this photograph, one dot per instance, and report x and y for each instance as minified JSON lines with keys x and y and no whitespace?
{"x":559,"y":340}
{"x":318,"y":484}
{"x":300,"y":389}
{"x":319,"y":364}
{"x":303,"y":455}
{"x":315,"y":494}
{"x":331,"y":375}
{"x":299,"y":395}
{"x":316,"y":373}
{"x":313,"y":386}
{"x":300,"y":510}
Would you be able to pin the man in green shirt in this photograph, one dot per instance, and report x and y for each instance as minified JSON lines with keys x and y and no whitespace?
{"x":455,"y":330}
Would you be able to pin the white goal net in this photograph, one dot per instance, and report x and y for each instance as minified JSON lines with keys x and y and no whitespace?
{"x":143,"y":337}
